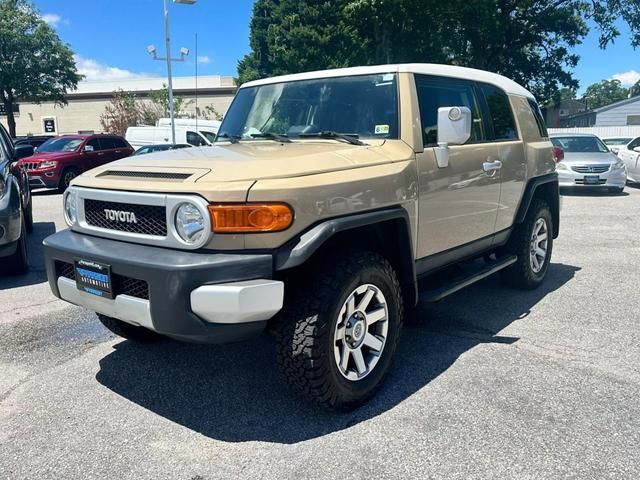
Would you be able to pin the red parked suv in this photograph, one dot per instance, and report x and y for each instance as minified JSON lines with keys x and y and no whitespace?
{"x":59,"y":160}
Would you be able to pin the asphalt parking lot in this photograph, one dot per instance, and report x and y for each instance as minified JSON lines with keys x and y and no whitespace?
{"x":490,"y":383}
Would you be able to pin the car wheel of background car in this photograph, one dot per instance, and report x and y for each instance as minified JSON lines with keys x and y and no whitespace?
{"x":128,"y":331}
{"x":68,"y":174}
{"x":18,"y":263}
{"x":338,"y":332}
{"x":532,"y":242}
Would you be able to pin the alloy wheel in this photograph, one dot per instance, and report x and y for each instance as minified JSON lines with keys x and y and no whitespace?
{"x":539,"y":245}
{"x":361,"y":332}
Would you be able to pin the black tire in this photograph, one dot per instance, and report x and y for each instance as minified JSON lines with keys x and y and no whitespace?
{"x":18,"y":262}
{"x":305,"y":339}
{"x":616,"y":190}
{"x":128,"y":331}
{"x":522,"y":274}
{"x":29,"y":217}
{"x":67,"y":175}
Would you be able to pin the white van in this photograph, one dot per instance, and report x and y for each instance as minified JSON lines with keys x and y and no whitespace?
{"x":141,"y":136}
{"x":200,"y":124}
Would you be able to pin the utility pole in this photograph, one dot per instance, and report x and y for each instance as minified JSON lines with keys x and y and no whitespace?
{"x":183,"y":53}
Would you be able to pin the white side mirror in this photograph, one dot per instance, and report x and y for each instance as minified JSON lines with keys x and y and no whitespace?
{"x":637,"y":149}
{"x":454,"y":128}
{"x":88,"y":148}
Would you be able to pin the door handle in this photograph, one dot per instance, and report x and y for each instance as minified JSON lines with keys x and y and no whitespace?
{"x":100,"y":154}
{"x":491,"y":166}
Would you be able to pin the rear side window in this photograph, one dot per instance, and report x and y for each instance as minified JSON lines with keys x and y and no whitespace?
{"x":542,"y":126}
{"x":118,"y":143}
{"x":504,"y":127}
{"x":108,"y":143}
{"x":433,"y":94}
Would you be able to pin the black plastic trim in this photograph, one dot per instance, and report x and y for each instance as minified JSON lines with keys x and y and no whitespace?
{"x":299,"y":251}
{"x":529,"y":193}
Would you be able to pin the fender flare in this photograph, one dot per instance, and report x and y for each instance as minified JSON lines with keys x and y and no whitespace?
{"x":529,"y":193}
{"x":300,"y":249}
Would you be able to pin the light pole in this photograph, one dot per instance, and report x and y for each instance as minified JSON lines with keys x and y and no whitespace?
{"x":183,"y":53}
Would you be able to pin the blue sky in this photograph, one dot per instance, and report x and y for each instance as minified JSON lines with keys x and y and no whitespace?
{"x":110,"y":38}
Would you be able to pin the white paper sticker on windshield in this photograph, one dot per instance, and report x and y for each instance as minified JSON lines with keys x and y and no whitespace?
{"x":382,"y":129}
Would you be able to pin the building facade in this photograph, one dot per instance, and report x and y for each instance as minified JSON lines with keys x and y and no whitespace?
{"x":86,"y":105}
{"x":623,"y":113}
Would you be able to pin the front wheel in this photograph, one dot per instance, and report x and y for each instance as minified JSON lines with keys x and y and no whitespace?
{"x":65,"y":179}
{"x":532,"y":242}
{"x":339,"y":331}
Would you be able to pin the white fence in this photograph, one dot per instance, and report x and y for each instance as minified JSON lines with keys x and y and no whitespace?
{"x":603,"y":132}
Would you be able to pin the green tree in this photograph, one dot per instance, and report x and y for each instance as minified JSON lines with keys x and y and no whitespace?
{"x":604,"y":93}
{"x":160,"y":103}
{"x":35,"y":65}
{"x":527,"y":40}
{"x":123,"y":112}
{"x":634,"y":91}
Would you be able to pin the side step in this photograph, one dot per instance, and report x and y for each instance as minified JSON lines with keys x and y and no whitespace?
{"x":458,"y":283}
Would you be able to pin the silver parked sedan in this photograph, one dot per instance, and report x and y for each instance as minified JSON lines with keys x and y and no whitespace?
{"x":588,"y":162}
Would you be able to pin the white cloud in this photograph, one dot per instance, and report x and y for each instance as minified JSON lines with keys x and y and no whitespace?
{"x":54,"y":19}
{"x":204,"y":59}
{"x":627,"y":78}
{"x":95,"y":71}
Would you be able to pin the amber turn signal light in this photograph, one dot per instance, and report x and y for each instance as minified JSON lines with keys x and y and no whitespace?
{"x":248,"y":218}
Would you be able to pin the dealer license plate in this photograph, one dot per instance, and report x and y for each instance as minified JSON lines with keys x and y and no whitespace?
{"x":94,"y":278}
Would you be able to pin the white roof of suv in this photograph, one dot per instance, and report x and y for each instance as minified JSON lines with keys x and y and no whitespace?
{"x":506,"y":84}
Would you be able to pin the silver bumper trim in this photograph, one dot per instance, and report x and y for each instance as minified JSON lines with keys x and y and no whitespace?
{"x":239,"y":302}
{"x":128,"y":309}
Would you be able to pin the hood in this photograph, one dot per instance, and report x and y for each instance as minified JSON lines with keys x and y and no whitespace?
{"x":37,"y":156}
{"x":255,"y":160}
{"x":589,"y":158}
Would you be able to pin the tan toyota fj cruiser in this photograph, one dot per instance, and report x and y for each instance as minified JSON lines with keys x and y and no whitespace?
{"x":326,"y":197}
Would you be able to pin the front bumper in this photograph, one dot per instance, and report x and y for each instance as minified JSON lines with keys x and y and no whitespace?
{"x":191,"y":296}
{"x":611,"y":178}
{"x":43,"y":180}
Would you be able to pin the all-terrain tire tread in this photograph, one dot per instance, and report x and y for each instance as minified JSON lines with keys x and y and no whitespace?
{"x":303,"y":328}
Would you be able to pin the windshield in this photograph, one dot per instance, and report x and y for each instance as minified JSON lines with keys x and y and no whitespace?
{"x":617,"y":141}
{"x":209,"y":136}
{"x":61,"y":145}
{"x":580,"y":144}
{"x":365,"y":106}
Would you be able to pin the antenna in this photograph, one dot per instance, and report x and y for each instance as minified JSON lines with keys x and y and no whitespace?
{"x":197,"y":83}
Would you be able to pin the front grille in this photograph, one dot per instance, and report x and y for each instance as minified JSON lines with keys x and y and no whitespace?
{"x":155,"y":175}
{"x":590,"y":168}
{"x":30,"y":165}
{"x":130,"y":286}
{"x":64,"y":269}
{"x":122,"y":285}
{"x":150,"y":219}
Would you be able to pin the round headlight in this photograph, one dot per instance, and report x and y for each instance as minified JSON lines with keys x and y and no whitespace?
{"x":71,"y":207}
{"x":190,"y":223}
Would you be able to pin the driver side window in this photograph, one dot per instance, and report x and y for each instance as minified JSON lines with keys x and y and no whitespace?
{"x":634,"y":144}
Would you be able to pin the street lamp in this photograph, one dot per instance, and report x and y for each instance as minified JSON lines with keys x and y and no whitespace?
{"x":151,"y":49}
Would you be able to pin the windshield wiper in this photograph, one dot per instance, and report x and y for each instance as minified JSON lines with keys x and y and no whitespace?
{"x":226,"y":136}
{"x":272,"y":136}
{"x":352,"y":139}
